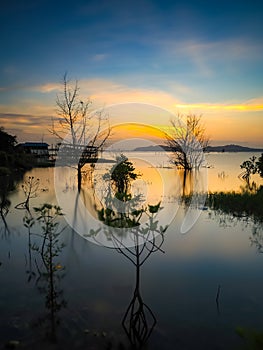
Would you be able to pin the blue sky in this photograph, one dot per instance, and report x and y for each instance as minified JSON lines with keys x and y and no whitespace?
{"x":203,"y":57}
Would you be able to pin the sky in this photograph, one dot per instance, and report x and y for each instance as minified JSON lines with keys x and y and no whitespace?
{"x":201,"y":57}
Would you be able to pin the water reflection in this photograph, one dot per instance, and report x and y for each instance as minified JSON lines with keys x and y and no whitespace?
{"x":123,"y":210}
{"x":47,"y":270}
{"x":257,"y":237}
{"x":28,"y":222}
{"x":7,"y":184}
{"x":249,"y":186}
{"x":198,"y":263}
{"x":247,"y":204}
{"x":245,"y":208}
{"x":139,"y":320}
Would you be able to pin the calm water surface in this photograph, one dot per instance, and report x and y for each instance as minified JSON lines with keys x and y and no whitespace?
{"x":191,"y":294}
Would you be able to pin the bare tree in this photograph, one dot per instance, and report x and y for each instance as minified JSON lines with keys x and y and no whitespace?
{"x":82,"y":132}
{"x":187,"y":140}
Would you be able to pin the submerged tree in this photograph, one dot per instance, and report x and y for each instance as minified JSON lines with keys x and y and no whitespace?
{"x":82,"y":132}
{"x":123,"y":173}
{"x":249,"y":167}
{"x":252,"y":166}
{"x":119,"y":201}
{"x":122,"y":214}
{"x":259,"y":164}
{"x":187,"y":141}
{"x":6,"y":184}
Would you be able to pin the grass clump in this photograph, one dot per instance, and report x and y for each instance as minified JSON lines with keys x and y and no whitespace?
{"x":238,"y":204}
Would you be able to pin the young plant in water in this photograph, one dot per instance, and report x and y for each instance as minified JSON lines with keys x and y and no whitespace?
{"x":50,"y":273}
{"x":50,"y":246}
{"x":29,"y":222}
{"x":48,"y":215}
{"x":30,"y":189}
{"x":123,"y":214}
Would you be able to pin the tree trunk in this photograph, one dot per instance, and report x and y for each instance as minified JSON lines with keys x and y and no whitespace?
{"x":79,"y":177}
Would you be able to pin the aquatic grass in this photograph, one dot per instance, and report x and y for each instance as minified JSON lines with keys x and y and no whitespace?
{"x":238,"y":204}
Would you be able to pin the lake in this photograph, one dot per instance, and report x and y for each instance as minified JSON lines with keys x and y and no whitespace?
{"x":64,"y":286}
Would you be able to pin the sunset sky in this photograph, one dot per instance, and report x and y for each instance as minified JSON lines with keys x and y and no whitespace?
{"x":203,"y":57}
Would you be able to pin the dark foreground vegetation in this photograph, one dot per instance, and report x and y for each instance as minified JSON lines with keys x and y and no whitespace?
{"x":249,"y":201}
{"x":11,"y":158}
{"x":238,"y":204}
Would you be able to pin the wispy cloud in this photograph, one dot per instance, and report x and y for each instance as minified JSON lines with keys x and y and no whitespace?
{"x":205,"y":55}
{"x":26,"y":126}
{"x":246,"y":106}
{"x":47,"y":88}
{"x":99,"y":57}
{"x":107,"y":92}
{"x":223,"y":119}
{"x":13,"y":120}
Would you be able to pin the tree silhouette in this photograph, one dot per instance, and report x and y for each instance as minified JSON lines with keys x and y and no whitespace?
{"x":259,"y":165}
{"x":49,"y":270}
{"x":7,"y":141}
{"x":138,"y":321}
{"x":187,"y":142}
{"x":122,"y":174}
{"x":249,"y":167}
{"x":82,"y":132}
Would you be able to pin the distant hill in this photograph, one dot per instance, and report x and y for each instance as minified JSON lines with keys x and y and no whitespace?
{"x":232,"y":148}
{"x":225,"y":148}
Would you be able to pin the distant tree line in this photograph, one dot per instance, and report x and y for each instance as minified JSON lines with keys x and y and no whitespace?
{"x":11,"y":159}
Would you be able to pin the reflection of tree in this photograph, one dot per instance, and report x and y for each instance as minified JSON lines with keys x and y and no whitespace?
{"x":28,"y":223}
{"x":4,"y":209}
{"x":139,"y":320}
{"x":49,"y":270}
{"x":245,"y":208}
{"x":7,"y":184}
{"x":186,"y":178}
{"x":123,"y":213}
{"x":192,"y":194}
{"x":257,"y":238}
{"x":249,"y":186}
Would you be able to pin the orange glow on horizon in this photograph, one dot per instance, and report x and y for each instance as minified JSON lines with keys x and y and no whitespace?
{"x":232,"y":107}
{"x":135,"y":130}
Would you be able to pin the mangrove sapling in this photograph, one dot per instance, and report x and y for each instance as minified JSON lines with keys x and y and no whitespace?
{"x":252,"y":166}
{"x":124,"y":211}
{"x":249,"y":167}
{"x":49,"y":274}
{"x":4,"y":209}
{"x":29,"y":222}
{"x":138,"y":321}
{"x":6,"y":184}
{"x":30,"y":188}
{"x":48,"y":215}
